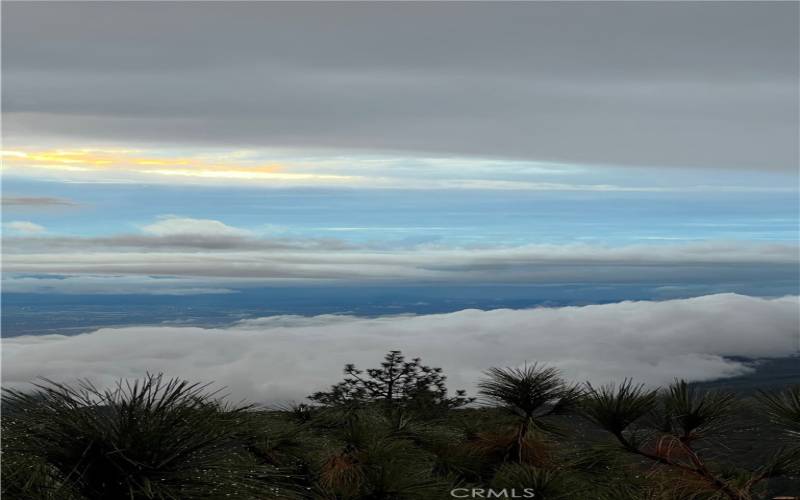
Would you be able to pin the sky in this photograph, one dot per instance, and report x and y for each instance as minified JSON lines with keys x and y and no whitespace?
{"x":628,"y":150}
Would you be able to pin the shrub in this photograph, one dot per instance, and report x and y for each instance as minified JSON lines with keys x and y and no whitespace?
{"x":149,"y":439}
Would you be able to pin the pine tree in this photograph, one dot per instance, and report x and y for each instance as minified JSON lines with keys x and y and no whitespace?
{"x":397,"y":382}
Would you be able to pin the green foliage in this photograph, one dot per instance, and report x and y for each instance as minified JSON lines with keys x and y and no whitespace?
{"x":543,"y":483}
{"x":369,"y":458}
{"x":398,"y":437}
{"x":678,"y":417}
{"x":532,"y":392}
{"x":783,"y":408}
{"x":150,"y":439}
{"x":690,"y":414}
{"x":396,"y":383}
{"x":614,"y":408}
{"x":528,"y":396}
{"x":601,"y":473}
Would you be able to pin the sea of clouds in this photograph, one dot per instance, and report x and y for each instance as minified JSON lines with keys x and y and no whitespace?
{"x":285,"y":358}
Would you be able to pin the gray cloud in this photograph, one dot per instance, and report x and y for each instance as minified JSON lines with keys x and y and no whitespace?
{"x":150,"y":243}
{"x":234,"y":257}
{"x":683,"y":84}
{"x":206,"y":248}
{"x":36,"y":201}
{"x":112,"y":284}
{"x":288,"y":357}
{"x":171,"y":233}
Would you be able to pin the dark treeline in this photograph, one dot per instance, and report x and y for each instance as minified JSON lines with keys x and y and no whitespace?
{"x":395,"y":432}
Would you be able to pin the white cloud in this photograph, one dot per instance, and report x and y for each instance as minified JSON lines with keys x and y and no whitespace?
{"x":288,"y":357}
{"x":171,"y":225}
{"x":21,"y":226}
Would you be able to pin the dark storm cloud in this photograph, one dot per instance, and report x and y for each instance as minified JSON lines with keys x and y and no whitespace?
{"x":684,"y":84}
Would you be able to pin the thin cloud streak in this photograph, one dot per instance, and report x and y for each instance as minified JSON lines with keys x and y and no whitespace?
{"x":36,"y":202}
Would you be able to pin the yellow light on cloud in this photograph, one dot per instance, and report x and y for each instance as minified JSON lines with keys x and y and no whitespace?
{"x":232,"y":166}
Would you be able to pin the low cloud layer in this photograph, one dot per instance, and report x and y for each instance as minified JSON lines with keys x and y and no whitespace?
{"x":287,"y":357}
